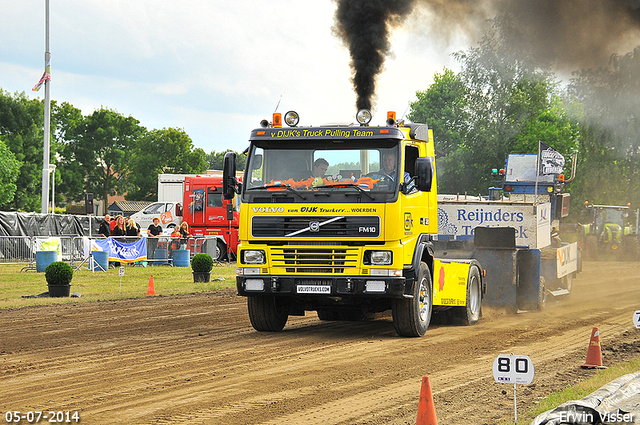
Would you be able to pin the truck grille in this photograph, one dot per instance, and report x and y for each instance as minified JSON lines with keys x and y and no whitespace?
{"x":315,"y":227}
{"x":314,"y":260}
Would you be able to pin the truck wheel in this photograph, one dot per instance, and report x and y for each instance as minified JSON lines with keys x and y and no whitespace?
{"x":592,"y":247}
{"x":542,"y":294}
{"x":267,"y":314}
{"x":470,"y":314}
{"x":567,"y":282}
{"x":411,"y":316}
{"x":221,"y":250}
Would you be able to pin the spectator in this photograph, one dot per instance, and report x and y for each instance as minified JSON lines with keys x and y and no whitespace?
{"x":153,"y":232}
{"x":184,"y":233}
{"x":132,"y":228}
{"x":105,"y":227}
{"x":119,"y":230}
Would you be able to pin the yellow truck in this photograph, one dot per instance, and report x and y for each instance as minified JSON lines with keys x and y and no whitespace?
{"x":340,"y":219}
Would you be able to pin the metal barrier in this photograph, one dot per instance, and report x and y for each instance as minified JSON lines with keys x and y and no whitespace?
{"x":18,"y":250}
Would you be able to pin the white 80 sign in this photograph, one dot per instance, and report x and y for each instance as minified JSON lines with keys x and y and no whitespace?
{"x":513,"y":369}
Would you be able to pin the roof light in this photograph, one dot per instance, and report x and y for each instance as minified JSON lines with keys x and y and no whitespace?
{"x":391,"y":118}
{"x":292,"y":118}
{"x":277,"y":119}
{"x":363,"y":116}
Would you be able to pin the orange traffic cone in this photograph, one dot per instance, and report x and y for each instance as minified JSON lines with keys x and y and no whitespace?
{"x":594,"y":355}
{"x":426,"y":409}
{"x":151,"y":290}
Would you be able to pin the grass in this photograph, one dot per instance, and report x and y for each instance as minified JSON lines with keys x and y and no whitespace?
{"x":580,"y":390}
{"x":95,"y":286}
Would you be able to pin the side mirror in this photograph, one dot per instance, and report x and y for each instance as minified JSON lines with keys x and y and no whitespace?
{"x":424,"y":174}
{"x":229,"y":175}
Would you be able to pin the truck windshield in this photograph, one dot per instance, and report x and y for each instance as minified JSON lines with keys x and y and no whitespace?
{"x":522,"y":168}
{"x":324,"y":170}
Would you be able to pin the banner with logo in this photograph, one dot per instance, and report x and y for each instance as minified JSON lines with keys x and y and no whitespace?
{"x":49,"y":244}
{"x":122,"y":252}
{"x":551,"y":161}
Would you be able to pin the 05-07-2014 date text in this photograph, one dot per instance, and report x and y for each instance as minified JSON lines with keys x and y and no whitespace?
{"x":32,"y":417}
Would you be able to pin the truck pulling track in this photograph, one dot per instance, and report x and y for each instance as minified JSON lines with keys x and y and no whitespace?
{"x":196,"y":359}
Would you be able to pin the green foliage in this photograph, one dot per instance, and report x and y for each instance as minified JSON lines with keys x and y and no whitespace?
{"x":102,"y":143}
{"x":21,"y":124}
{"x":498,"y":104}
{"x":609,"y":164}
{"x":215,"y":160}
{"x":202,"y":263}
{"x":9,"y":171}
{"x":168,"y":150}
{"x":443,"y":106}
{"x":58,"y":273}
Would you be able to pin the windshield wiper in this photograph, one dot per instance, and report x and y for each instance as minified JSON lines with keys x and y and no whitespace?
{"x":286,"y":186}
{"x":348,"y":184}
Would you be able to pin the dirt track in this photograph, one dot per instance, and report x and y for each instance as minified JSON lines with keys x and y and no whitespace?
{"x":196,"y":360}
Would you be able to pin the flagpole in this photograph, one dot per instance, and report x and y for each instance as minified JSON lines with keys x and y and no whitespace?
{"x":535,"y":192}
{"x":47,"y":114}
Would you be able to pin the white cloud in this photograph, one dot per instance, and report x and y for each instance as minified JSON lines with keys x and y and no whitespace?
{"x":214,"y":68}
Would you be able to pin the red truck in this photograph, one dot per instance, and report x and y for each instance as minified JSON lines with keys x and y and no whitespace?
{"x":208,"y":213}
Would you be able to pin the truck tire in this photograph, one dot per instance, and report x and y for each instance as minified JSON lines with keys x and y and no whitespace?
{"x":221,"y":250}
{"x":592,"y":247}
{"x":411,"y":316}
{"x":266,"y":313}
{"x":567,"y":283}
{"x":471,"y":312}
{"x":542,"y":294}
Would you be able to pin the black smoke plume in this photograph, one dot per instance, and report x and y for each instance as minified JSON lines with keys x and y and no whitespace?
{"x":567,"y":34}
{"x":363,"y":25}
{"x":564,"y":34}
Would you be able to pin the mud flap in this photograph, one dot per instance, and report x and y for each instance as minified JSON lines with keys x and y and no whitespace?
{"x":495,"y":250}
{"x":528,"y":295}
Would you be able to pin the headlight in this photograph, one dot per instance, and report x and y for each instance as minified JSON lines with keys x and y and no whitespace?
{"x":363,"y":116}
{"x":253,"y":257}
{"x":292,"y":118}
{"x":378,"y":258}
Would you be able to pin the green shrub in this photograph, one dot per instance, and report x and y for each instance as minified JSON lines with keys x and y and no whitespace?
{"x":202,"y":263}
{"x":58,"y":273}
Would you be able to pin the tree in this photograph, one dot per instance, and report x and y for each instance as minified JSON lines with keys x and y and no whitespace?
{"x":444,"y":108}
{"x":609,"y":166}
{"x":498,"y":104}
{"x":21,"y":128}
{"x":69,"y":176}
{"x":101,"y":145}
{"x":161,"y":151}
{"x":9,"y":171}
{"x":215,"y":160}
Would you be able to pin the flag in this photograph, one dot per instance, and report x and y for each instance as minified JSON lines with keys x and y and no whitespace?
{"x":45,"y":77}
{"x":550,"y":160}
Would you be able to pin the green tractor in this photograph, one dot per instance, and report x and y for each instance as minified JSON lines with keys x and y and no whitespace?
{"x":611,"y":232}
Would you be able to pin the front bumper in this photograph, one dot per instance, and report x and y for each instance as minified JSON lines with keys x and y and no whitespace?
{"x":324,"y":286}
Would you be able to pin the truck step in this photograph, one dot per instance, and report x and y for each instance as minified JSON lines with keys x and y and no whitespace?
{"x":559,"y":292}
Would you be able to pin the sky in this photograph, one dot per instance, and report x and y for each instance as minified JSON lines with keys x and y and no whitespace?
{"x":212,"y":68}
